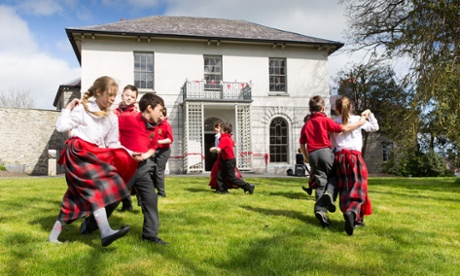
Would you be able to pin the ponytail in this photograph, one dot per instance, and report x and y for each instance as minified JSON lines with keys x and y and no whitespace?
{"x":343,"y":107}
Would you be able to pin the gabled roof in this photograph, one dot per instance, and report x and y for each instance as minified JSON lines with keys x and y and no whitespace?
{"x":179,"y":27}
{"x":75,"y":84}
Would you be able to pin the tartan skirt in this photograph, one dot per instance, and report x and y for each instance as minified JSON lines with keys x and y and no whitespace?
{"x":96,"y":177}
{"x":352,"y":177}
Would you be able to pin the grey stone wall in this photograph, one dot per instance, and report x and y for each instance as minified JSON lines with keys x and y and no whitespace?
{"x":26,"y":135}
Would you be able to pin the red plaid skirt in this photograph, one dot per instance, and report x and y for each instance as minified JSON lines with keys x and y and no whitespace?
{"x":95,"y":177}
{"x":352,"y":179}
{"x":215,"y":170}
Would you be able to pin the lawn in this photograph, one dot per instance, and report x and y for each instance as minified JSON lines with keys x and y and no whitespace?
{"x":415,"y":230}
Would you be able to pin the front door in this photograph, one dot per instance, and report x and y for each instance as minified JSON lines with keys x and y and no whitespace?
{"x":210,"y":158}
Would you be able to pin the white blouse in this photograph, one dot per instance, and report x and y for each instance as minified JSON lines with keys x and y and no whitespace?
{"x":99,"y":130}
{"x":353,"y":140}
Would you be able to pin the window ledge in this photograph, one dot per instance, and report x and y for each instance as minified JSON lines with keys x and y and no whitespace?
{"x":285,"y":94}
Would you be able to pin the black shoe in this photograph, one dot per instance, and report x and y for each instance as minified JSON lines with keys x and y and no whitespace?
{"x":349,"y":222}
{"x":155,"y":240}
{"x":106,"y":241}
{"x":88,"y":226}
{"x":250,"y":189}
{"x":307,"y":190}
{"x":161,"y":195}
{"x":323,"y":218}
{"x":222,"y":192}
{"x":126,"y":208}
{"x":329,"y":202}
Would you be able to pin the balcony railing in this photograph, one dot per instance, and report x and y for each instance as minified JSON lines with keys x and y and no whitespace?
{"x":223,"y":91}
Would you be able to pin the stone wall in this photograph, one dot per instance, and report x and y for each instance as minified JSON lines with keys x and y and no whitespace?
{"x":26,"y":136}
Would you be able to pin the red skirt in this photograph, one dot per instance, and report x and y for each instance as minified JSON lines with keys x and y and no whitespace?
{"x":352,"y":177}
{"x":215,"y":170}
{"x":96,"y":177}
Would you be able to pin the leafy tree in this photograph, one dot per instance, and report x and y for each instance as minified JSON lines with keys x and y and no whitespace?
{"x":428,"y":32}
{"x":374,"y":86}
{"x":17,"y":99}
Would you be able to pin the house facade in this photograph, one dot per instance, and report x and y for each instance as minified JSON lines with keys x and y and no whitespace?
{"x":258,"y":78}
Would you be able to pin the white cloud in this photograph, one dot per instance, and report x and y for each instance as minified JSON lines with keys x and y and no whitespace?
{"x":23,"y":67}
{"x":15,"y":37}
{"x":41,"y":7}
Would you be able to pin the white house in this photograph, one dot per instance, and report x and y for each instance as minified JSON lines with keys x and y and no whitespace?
{"x":258,"y":78}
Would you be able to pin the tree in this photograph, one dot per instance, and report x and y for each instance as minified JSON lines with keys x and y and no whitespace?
{"x":374,"y":86}
{"x":17,"y":99}
{"x":428,"y":32}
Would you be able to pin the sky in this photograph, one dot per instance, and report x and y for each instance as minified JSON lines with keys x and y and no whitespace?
{"x":36,"y":55}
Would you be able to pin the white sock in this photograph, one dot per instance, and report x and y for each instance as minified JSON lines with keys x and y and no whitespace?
{"x":56,"y":231}
{"x":102,"y":222}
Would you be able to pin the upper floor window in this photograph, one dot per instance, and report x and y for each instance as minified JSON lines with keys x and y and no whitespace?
{"x":143,"y":71}
{"x":213,"y":72}
{"x":279,"y":140}
{"x":277,"y":74}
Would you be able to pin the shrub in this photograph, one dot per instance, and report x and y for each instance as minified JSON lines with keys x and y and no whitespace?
{"x":418,"y":164}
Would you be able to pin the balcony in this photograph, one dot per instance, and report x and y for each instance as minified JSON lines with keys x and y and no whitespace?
{"x":223,"y":91}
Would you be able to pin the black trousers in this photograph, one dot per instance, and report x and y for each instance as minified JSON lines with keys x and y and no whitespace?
{"x":227,"y":171}
{"x":143,"y":183}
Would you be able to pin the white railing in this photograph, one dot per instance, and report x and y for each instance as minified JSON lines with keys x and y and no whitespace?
{"x":201,"y":90}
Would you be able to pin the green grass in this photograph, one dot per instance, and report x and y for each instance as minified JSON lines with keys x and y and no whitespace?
{"x":415,"y":230}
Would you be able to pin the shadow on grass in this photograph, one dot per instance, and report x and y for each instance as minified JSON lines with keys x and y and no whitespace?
{"x":335,"y":226}
{"x":293,"y":195}
{"x":197,"y":190}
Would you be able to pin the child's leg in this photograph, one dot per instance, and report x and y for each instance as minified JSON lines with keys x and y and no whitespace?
{"x":56,"y":231}
{"x":161,"y":159}
{"x":108,"y":235}
{"x":321,"y":162}
{"x":228,"y":169}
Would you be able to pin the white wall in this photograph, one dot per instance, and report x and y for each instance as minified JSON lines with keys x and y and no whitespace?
{"x":175,"y":62}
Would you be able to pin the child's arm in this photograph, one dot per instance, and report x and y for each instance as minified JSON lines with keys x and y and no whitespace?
{"x":147,"y":154}
{"x":372,"y":124}
{"x":215,"y":149}
{"x":353,"y":126}
{"x":164,"y":141}
{"x":139,"y":157}
{"x":304,"y":153}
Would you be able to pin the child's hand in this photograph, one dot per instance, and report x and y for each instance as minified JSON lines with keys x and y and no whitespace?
{"x":366,"y":113}
{"x":72,"y":104}
{"x":137,"y":156}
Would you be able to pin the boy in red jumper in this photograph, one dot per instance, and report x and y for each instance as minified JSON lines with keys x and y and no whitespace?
{"x":127,"y":105}
{"x":315,"y":135}
{"x":228,"y":161}
{"x":161,"y":156}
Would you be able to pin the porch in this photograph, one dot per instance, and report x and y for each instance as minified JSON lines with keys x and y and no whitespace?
{"x":201,"y":103}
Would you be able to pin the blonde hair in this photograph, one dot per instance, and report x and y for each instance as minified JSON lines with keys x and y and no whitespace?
{"x":343,"y":107}
{"x":97,"y":90}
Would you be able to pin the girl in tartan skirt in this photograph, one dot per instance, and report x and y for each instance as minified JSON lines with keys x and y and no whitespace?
{"x":96,"y":166}
{"x":351,"y":170}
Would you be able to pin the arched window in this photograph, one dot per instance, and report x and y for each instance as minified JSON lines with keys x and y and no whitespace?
{"x":279,"y":140}
{"x":209,"y":124}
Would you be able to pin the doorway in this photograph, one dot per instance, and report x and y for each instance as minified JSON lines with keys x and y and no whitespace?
{"x":209,"y":157}
{"x":209,"y":139}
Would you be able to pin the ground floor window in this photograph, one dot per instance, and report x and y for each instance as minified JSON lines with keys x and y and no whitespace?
{"x":279,"y":140}
{"x":387,"y":148}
